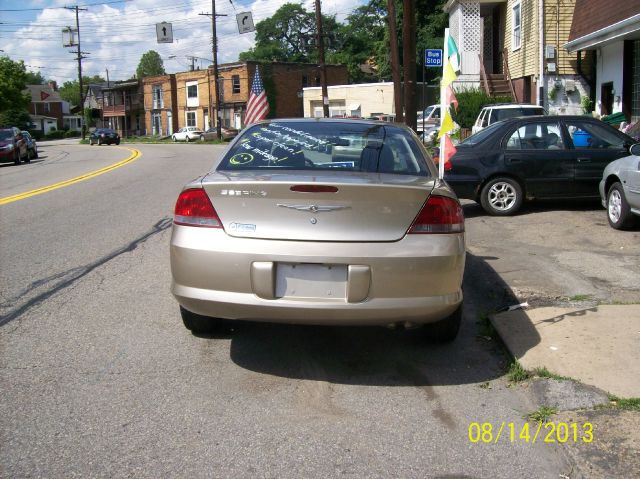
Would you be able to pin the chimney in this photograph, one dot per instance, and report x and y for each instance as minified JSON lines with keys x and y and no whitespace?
{"x":53,"y":85}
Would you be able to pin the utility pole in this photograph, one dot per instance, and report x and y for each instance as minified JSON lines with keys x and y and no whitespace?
{"x":395,"y":62}
{"x":323,"y":67}
{"x":409,"y":62}
{"x":214,"y":50}
{"x":79,"y":57}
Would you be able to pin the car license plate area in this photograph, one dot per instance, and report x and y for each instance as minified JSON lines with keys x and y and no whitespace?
{"x":305,"y":280}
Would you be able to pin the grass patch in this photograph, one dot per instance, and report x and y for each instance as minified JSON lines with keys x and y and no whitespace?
{"x":545,"y":373}
{"x":580,"y":297}
{"x":630,"y":404}
{"x":517,"y":373}
{"x":542,"y":414}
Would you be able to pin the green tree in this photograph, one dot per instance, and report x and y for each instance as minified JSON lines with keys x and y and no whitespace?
{"x":289,"y":36}
{"x":361,"y":43}
{"x":70,"y":90}
{"x":150,"y":64}
{"x":34,"y":78}
{"x":13,"y":78}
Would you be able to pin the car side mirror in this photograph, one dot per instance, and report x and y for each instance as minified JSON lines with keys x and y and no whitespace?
{"x":635,"y":149}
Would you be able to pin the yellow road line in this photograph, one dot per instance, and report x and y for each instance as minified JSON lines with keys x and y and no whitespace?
{"x":135,"y":154}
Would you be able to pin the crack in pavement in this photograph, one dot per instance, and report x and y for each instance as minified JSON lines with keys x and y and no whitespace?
{"x":68,"y":278}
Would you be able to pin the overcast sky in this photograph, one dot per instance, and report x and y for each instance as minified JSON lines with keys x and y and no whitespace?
{"x":115,"y":34}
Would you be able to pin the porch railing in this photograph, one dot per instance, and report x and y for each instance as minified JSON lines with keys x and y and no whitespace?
{"x":507,"y":75}
{"x":483,"y":75}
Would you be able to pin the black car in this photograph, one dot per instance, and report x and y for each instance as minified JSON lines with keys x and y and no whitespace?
{"x":104,"y":135}
{"x":32,"y":146}
{"x":534,"y":157}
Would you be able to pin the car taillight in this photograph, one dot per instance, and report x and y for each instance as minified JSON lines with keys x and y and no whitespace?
{"x":194,"y":208}
{"x":440,"y":214}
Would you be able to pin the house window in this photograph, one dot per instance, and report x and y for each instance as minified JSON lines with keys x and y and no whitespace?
{"x":517,"y":26}
{"x":157,"y":97}
{"x":191,"y":118}
{"x":235,"y":81}
{"x":46,"y":107}
{"x":192,"y":91}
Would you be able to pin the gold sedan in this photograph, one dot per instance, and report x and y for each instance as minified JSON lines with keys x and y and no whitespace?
{"x":326,"y":222}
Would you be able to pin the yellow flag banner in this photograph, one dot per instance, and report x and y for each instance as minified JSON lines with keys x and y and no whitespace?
{"x":447,"y":124}
{"x":448,"y":75}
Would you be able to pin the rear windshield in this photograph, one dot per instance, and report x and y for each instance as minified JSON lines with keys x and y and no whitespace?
{"x":6,"y":134}
{"x":504,"y":113}
{"x":333,"y":145}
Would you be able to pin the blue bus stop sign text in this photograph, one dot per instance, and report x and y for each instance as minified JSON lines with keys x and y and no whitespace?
{"x":433,"y":58}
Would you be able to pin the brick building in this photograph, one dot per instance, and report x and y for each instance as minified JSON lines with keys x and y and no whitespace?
{"x":188,"y":98}
{"x":47,"y":109}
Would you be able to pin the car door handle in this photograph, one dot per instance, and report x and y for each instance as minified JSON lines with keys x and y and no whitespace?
{"x":584,"y":160}
{"x":514,"y":160}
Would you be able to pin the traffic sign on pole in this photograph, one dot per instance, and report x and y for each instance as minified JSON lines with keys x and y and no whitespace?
{"x":164,"y":32}
{"x":245,"y":22}
{"x":433,"y":57}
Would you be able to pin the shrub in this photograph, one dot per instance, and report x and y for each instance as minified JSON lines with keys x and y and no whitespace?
{"x":470,"y":102}
{"x":71,"y":134}
{"x":54,"y":135}
{"x":36,"y":134}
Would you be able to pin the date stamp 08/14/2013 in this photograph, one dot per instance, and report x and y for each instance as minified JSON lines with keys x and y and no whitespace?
{"x":550,"y":432}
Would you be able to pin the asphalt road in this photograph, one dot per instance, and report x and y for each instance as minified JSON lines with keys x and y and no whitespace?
{"x":98,"y":377}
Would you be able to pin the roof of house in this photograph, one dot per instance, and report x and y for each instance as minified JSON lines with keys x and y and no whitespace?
{"x":43,"y":93}
{"x":596,"y":16}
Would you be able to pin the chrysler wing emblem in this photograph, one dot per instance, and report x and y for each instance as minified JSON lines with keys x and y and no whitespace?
{"x":314,"y":208}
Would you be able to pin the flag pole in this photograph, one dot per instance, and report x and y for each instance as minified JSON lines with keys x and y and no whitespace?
{"x":443,"y":106}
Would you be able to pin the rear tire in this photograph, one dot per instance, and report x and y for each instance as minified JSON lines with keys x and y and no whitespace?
{"x":501,"y":196}
{"x":445,"y":330}
{"x":198,"y":324}
{"x":618,"y":212}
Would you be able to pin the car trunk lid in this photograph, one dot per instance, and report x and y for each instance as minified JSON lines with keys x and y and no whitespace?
{"x":292,"y":205}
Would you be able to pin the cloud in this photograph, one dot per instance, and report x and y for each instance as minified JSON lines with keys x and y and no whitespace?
{"x":115,"y":35}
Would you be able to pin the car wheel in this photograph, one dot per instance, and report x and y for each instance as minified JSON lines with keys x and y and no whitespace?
{"x":117,"y":142}
{"x":501,"y":196}
{"x":173,"y":138}
{"x":199,"y":324}
{"x":201,"y":137}
{"x":188,"y":139}
{"x":99,"y":142}
{"x":445,"y":330}
{"x":618,"y":212}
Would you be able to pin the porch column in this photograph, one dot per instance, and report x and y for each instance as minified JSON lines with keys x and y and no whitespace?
{"x":465,"y":25}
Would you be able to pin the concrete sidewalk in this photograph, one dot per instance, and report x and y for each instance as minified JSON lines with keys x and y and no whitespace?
{"x":599,"y":345}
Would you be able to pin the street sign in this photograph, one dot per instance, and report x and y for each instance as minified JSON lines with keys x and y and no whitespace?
{"x":164,"y":32}
{"x":433,"y":58}
{"x":245,"y":22}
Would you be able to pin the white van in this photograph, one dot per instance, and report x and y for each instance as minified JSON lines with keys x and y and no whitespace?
{"x":428,"y":118}
{"x":501,"y":111}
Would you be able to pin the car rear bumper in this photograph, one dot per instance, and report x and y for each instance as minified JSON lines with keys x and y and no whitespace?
{"x":417,"y":279}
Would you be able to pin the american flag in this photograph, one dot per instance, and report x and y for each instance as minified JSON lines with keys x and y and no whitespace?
{"x":257,"y":106}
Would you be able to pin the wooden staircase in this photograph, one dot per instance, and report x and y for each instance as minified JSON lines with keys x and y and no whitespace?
{"x":497,"y":84}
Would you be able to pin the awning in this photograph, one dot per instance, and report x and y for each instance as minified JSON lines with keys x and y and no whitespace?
{"x":354,"y":106}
